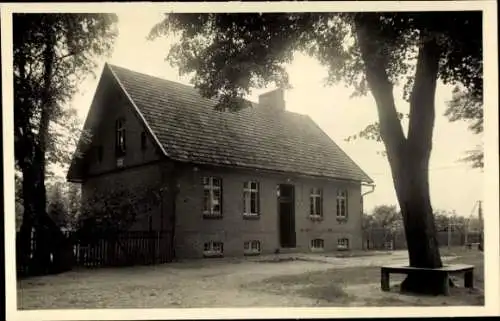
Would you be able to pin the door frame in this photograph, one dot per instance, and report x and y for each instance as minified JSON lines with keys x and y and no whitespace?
{"x":293,"y":231}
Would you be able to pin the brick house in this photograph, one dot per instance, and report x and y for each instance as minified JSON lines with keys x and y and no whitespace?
{"x":231,"y":183}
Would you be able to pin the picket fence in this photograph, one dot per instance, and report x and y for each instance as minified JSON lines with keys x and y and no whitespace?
{"x":128,"y":248}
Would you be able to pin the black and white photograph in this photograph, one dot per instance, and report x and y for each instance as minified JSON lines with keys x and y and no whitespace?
{"x":307,"y":159}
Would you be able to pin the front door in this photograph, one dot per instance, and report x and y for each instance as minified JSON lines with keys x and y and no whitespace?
{"x":286,"y":214}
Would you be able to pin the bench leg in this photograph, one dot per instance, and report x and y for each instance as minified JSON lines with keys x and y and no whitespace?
{"x":446,"y":285}
{"x":384,"y":281}
{"x":469,"y":279}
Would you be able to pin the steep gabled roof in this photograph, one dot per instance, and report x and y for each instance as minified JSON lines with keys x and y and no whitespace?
{"x":189,"y":129}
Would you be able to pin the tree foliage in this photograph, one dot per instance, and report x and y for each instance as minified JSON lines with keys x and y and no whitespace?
{"x":108,"y":213}
{"x":231,"y":53}
{"x":52,"y":54}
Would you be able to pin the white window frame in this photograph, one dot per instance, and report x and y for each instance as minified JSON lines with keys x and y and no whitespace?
{"x":342,"y":209}
{"x":343,"y":243}
{"x":249,"y":188}
{"x":314,"y":194}
{"x":208,"y":185}
{"x":252,"y":247}
{"x":317,"y":245}
{"x":213,"y":248}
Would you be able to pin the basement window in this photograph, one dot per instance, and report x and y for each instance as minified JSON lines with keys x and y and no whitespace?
{"x":317,"y":245}
{"x":213,"y":249}
{"x":343,"y":244}
{"x":251,"y":247}
{"x":212,"y":197}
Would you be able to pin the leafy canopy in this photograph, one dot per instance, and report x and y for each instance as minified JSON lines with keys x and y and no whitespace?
{"x":52,"y":54}
{"x":230,"y":53}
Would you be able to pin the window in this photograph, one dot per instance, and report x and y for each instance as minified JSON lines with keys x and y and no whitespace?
{"x":317,"y":244}
{"x":213,"y":249}
{"x":316,"y":203}
{"x":143,"y":141}
{"x":251,"y":247}
{"x":120,"y":144}
{"x":342,"y":204}
{"x":99,"y":154}
{"x":212,"y":196}
{"x":251,"y":199}
{"x":343,"y":243}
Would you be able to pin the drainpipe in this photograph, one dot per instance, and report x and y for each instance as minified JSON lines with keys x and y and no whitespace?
{"x":362,"y":205}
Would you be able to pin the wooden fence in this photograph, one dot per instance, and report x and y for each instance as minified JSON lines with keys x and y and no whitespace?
{"x":128,"y":248}
{"x":379,"y":239}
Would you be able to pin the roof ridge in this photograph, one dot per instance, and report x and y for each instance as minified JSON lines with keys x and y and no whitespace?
{"x":112,"y":66}
{"x":190,"y":87}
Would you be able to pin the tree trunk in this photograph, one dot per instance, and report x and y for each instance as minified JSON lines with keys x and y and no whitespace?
{"x":408,"y":157}
{"x":53,"y":251}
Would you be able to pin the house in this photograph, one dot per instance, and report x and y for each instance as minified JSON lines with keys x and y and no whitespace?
{"x":230,"y":183}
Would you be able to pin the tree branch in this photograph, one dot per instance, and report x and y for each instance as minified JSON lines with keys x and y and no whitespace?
{"x":375,"y":62}
{"x":422,"y":111}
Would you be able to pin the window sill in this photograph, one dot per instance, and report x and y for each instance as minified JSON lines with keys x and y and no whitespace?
{"x":342,"y":248}
{"x":212,"y":254}
{"x":342,"y":219}
{"x":315,"y":217}
{"x":251,"y":216}
{"x":317,"y":249}
{"x":212,"y":216}
{"x":251,"y":253}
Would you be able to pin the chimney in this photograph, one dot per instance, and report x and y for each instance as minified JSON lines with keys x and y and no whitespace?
{"x":274,"y":100}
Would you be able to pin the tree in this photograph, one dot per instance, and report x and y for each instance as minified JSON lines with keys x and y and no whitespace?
{"x":52,"y":53}
{"x":372,"y":52}
{"x":107,"y":214}
{"x":467,"y":106}
{"x":386,"y":216}
{"x":56,"y":207}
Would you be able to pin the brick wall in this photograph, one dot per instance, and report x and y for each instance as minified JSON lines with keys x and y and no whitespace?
{"x":141,"y":167}
{"x":192,"y":230}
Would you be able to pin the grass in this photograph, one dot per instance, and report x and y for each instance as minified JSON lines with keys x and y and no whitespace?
{"x":360,"y":285}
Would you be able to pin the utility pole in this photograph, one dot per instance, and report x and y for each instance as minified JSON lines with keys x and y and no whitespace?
{"x":450,"y":226}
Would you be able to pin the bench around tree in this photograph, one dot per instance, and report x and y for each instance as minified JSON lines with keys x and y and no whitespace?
{"x":444,"y":273}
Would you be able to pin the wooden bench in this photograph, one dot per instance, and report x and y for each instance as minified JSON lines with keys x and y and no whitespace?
{"x":445,"y":271}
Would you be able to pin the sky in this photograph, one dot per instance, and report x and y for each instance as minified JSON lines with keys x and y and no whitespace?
{"x":454,"y":185}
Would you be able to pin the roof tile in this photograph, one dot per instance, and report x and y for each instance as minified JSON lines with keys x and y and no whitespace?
{"x":191,"y":130}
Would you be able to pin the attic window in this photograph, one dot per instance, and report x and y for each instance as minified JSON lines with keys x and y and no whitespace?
{"x":143,"y":141}
{"x":120,"y":143}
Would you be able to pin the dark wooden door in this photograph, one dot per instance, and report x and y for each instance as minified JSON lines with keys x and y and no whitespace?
{"x":286,"y":214}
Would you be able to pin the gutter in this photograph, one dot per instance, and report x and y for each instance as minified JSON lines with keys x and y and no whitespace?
{"x":368,"y":192}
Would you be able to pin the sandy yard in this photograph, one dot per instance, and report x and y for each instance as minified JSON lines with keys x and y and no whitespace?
{"x":293,"y":280}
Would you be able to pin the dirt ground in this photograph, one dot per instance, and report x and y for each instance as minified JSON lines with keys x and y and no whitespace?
{"x":266,"y":281}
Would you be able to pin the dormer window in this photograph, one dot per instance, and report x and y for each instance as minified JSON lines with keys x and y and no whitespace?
{"x":120,"y":144}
